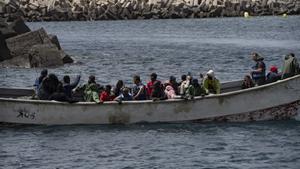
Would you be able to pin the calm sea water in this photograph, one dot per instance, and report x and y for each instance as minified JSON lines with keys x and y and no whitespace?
{"x":114,"y":50}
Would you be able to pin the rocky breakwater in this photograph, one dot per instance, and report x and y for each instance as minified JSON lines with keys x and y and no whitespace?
{"x":62,"y":10}
{"x":21,"y":47}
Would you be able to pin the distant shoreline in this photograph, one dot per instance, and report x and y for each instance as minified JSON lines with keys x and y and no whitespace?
{"x":65,"y":10}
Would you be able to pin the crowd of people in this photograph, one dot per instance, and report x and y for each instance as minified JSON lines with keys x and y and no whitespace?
{"x":258,"y":74}
{"x":48,"y":87}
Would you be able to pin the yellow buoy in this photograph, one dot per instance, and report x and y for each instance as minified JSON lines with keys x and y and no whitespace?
{"x":285,"y":15}
{"x":246,"y":15}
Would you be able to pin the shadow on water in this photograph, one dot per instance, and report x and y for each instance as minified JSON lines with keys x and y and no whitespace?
{"x":159,"y":127}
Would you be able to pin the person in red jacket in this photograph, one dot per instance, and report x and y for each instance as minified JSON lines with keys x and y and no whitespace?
{"x":105,"y":95}
{"x":150,"y":84}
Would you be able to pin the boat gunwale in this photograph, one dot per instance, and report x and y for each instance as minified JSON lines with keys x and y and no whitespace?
{"x":211,"y":96}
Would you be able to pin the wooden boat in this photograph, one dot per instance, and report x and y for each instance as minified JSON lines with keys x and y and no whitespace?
{"x":279,"y":100}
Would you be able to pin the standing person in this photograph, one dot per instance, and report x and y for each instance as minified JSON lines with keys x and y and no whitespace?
{"x":290,"y":66}
{"x":211,"y":84}
{"x":68,"y":87}
{"x":39,"y":80}
{"x":139,"y":91}
{"x":153,"y":79}
{"x":259,"y":69}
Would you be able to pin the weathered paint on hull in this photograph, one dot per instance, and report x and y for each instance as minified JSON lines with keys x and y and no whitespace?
{"x":266,"y":99}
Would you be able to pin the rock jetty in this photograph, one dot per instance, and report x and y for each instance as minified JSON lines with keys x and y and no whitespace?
{"x":65,"y":10}
{"x":21,"y":47}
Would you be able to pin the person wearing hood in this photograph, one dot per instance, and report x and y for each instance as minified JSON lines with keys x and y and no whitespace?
{"x":259,"y":69}
{"x":91,"y":91}
{"x":211,"y":84}
{"x":290,"y":66}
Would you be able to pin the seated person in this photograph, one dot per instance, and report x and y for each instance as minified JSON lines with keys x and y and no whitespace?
{"x":39,"y":80}
{"x":211,"y":84}
{"x":174,"y":84}
{"x":68,"y":87}
{"x":125,"y":95}
{"x":139,"y":91}
{"x":117,"y":91}
{"x":60,"y":95}
{"x":199,"y":90}
{"x":91,"y":90}
{"x":48,"y":87}
{"x":273,"y":75}
{"x":248,"y":82}
{"x":157,"y":91}
{"x":105,"y":95}
{"x":290,"y":66}
{"x":153,"y":79}
{"x":184,"y":85}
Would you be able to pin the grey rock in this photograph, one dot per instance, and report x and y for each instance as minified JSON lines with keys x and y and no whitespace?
{"x":54,"y":40}
{"x":43,"y":55}
{"x":19,"y":26}
{"x":4,"y":52}
{"x":21,"y":44}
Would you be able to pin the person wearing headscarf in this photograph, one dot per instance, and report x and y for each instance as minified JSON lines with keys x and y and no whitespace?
{"x":211,"y":84}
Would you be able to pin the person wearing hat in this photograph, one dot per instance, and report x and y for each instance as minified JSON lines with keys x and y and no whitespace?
{"x":211,"y":84}
{"x":259,"y":69}
{"x":273,"y":75}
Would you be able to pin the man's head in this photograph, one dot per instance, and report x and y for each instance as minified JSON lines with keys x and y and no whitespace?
{"x":136,"y":79}
{"x":92,"y":79}
{"x":256,"y":57}
{"x":67,"y":79}
{"x":153,"y":76}
{"x":108,"y":88}
{"x":44,"y":72}
{"x":210,"y":74}
{"x":183,"y":77}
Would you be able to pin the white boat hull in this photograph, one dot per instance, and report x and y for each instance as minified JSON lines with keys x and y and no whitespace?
{"x":279,"y":100}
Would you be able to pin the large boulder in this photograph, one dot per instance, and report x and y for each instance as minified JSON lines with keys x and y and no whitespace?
{"x":4,"y":52}
{"x":21,"y":44}
{"x":45,"y":56}
{"x":19,"y":26}
{"x":54,"y":40}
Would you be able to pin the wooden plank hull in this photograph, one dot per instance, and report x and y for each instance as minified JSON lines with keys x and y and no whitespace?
{"x":278,"y":100}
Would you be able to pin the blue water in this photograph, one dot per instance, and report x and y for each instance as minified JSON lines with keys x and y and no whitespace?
{"x":114,"y":50}
{"x":266,"y":145}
